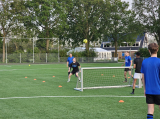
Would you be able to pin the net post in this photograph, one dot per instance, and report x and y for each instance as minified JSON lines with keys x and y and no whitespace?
{"x":81,"y":79}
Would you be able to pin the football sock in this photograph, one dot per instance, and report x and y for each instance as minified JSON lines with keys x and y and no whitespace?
{"x":149,"y":116}
{"x":68,"y":73}
{"x":133,"y":90}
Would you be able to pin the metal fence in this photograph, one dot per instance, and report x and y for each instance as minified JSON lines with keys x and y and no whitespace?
{"x":48,"y":58}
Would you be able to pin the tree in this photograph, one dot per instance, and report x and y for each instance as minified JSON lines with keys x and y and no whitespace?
{"x":148,"y":13}
{"x":45,"y":18}
{"x":9,"y":19}
{"x":122,"y":25}
{"x":85,"y":21}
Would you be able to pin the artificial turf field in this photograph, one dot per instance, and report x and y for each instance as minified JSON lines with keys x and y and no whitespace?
{"x":26,"y":98}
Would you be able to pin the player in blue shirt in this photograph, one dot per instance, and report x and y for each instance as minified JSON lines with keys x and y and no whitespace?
{"x":128,"y":63}
{"x":151,"y":79}
{"x":69,"y":61}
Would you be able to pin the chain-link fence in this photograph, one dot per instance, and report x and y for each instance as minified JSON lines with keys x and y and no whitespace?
{"x":33,"y":50}
{"x":48,"y":58}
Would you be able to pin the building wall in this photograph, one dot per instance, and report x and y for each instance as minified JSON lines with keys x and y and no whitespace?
{"x":132,"y":54}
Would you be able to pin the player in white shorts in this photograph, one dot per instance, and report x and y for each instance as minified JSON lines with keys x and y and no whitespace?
{"x":137,"y":66}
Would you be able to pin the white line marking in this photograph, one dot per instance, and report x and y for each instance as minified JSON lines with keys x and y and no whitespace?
{"x":88,"y":96}
{"x":30,"y":69}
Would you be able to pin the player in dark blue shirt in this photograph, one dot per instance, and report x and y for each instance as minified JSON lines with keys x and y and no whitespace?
{"x":128,"y":63}
{"x":69,"y":61}
{"x":151,"y":79}
{"x":75,"y":66}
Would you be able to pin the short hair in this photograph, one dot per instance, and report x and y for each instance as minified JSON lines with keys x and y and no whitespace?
{"x":138,"y":53}
{"x":127,"y":51}
{"x":153,"y":47}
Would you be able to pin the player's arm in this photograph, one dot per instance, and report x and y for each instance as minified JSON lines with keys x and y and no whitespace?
{"x":131,"y":62}
{"x":123,"y":63}
{"x":143,"y":81}
{"x":69,"y":67}
{"x":134,"y":66}
{"x":67,"y":63}
{"x":79,"y":68}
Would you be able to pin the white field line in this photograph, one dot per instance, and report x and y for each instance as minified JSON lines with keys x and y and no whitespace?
{"x":94,"y":96}
{"x":29,"y":69}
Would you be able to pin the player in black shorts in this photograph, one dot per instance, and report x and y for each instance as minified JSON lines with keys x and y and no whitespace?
{"x":75,"y":65}
{"x":137,"y":66}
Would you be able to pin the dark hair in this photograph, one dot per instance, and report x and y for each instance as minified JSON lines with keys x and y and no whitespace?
{"x":153,"y":47}
{"x":138,"y":53}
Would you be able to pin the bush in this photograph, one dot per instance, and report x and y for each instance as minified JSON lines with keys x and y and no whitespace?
{"x":90,"y":53}
{"x":145,"y":53}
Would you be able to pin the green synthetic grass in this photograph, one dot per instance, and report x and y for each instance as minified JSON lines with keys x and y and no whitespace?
{"x":14,"y":84}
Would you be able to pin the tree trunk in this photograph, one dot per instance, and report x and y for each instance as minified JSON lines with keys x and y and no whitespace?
{"x":87,"y":45}
{"x":115,"y":54}
{"x":3,"y":48}
{"x":47,"y":45}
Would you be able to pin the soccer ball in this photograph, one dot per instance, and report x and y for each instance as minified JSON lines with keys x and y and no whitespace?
{"x":85,"y":41}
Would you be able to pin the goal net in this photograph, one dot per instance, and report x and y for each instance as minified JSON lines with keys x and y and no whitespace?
{"x":104,"y":77}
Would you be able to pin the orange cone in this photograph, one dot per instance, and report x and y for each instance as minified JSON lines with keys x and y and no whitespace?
{"x":113,"y":75}
{"x":101,"y":74}
{"x":60,"y":86}
{"x":121,"y":101}
{"x":25,"y":77}
{"x":128,"y":77}
{"x":35,"y":79}
{"x":53,"y":76}
{"x":43,"y":81}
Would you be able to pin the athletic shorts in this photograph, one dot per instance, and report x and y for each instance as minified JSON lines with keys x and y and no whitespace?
{"x":153,"y":99}
{"x":137,"y":76}
{"x":127,"y":69}
{"x":74,"y":72}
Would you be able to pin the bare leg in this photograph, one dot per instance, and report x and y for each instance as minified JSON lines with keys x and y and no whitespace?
{"x":125,"y":74}
{"x":134,"y":83}
{"x":69,"y":77}
{"x":130,"y":73}
{"x":78,"y":76}
{"x":150,"y":109}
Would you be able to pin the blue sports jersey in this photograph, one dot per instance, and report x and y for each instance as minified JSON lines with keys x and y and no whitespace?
{"x":128,"y":61}
{"x":151,"y":70}
{"x":70,"y":60}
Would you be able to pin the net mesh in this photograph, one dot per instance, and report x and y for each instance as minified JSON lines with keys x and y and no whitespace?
{"x":104,"y":78}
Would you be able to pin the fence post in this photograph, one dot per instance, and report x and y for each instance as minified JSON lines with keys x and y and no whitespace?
{"x":20,"y":57}
{"x":46,"y":57}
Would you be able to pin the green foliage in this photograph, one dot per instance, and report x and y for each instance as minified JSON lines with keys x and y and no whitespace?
{"x":46,"y":18}
{"x":122,"y":25}
{"x":148,"y":14}
{"x":145,"y":53}
{"x":85,"y":20}
{"x":86,"y":53}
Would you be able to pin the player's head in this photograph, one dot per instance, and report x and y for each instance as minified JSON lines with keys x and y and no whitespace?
{"x":138,"y":54}
{"x":74,"y":59}
{"x":153,"y":48}
{"x":127,"y":53}
{"x":70,"y":55}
